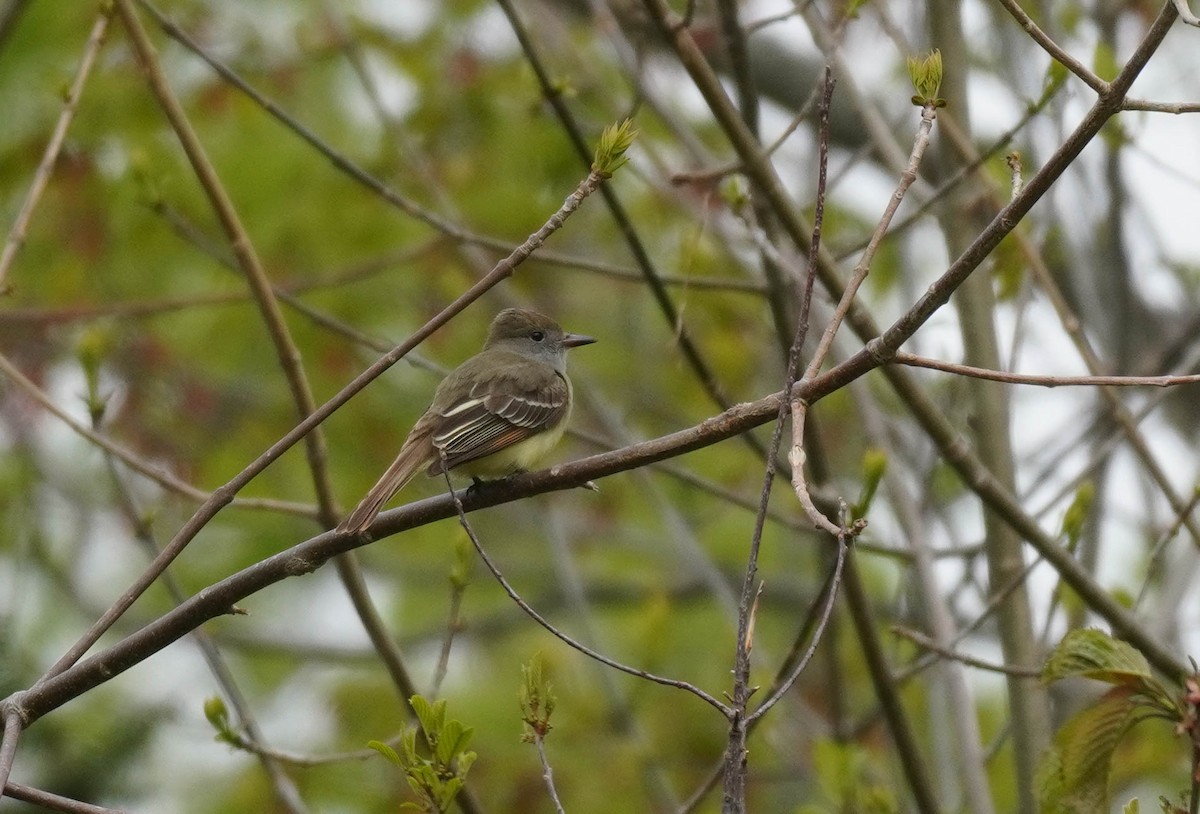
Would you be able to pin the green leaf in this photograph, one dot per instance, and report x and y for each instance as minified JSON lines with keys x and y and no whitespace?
{"x":217,"y":713}
{"x":408,"y":744}
{"x":430,"y":716}
{"x":1074,"y":776}
{"x":448,"y":792}
{"x":448,"y":744}
{"x":614,"y":142}
{"x":537,"y":700}
{"x":874,"y":465}
{"x":1094,"y":654}
{"x":1132,"y":807}
{"x":1077,"y":513}
{"x":926,"y":75}
{"x":387,"y":751}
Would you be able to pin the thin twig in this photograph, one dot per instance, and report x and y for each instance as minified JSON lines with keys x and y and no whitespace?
{"x":54,"y":802}
{"x":458,"y":588}
{"x":547,"y":772}
{"x":835,"y":579}
{"x":926,"y":643}
{"x":811,"y":616}
{"x":223,"y":495}
{"x":284,"y":787}
{"x":994,"y":601}
{"x":563,"y":637}
{"x":307,"y":761}
{"x":799,"y":407}
{"x":907,"y":177}
{"x":1155,"y":554}
{"x":9,"y":739}
{"x":735,"y":752}
{"x":131,"y":459}
{"x":1185,"y":14}
{"x":914,"y":360}
{"x":624,"y":223}
{"x":1056,"y":51}
{"x":41,"y":176}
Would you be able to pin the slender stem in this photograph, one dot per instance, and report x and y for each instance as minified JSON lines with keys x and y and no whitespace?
{"x":9,"y":739}
{"x":453,"y":625}
{"x":913,"y":360}
{"x":886,"y":689}
{"x":541,"y":620}
{"x":548,"y":773}
{"x":54,"y":802}
{"x":1056,"y":51}
{"x":907,"y":177}
{"x":926,"y":643}
{"x":41,"y":176}
{"x":625,"y":224}
{"x":735,"y":752}
{"x":130,"y":458}
{"x":831,"y":593}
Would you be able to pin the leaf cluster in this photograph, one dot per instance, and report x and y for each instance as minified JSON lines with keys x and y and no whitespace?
{"x":435,"y":775}
{"x":1075,"y":774}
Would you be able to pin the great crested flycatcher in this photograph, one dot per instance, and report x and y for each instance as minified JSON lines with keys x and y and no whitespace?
{"x":497,"y":413}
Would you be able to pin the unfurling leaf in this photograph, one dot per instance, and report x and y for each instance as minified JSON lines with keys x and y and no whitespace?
{"x":1094,"y":654}
{"x":614,"y":142}
{"x":1074,"y":776}
{"x":926,"y":76}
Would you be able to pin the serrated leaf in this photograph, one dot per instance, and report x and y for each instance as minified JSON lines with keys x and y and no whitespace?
{"x":1094,"y":654}
{"x":1074,"y":777}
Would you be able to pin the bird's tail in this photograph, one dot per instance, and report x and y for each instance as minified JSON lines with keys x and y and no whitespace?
{"x":413,"y":455}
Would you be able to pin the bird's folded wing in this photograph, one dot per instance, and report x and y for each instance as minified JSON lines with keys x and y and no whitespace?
{"x":496,"y":417}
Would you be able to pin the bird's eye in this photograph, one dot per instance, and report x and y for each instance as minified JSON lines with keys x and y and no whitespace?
{"x":537,"y":336}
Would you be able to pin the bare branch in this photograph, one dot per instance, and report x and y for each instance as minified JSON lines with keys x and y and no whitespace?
{"x":563,"y":637}
{"x":913,"y":360}
{"x":926,"y":643}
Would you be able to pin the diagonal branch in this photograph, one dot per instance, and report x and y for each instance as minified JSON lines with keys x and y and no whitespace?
{"x":217,"y":599}
{"x":222,"y":496}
